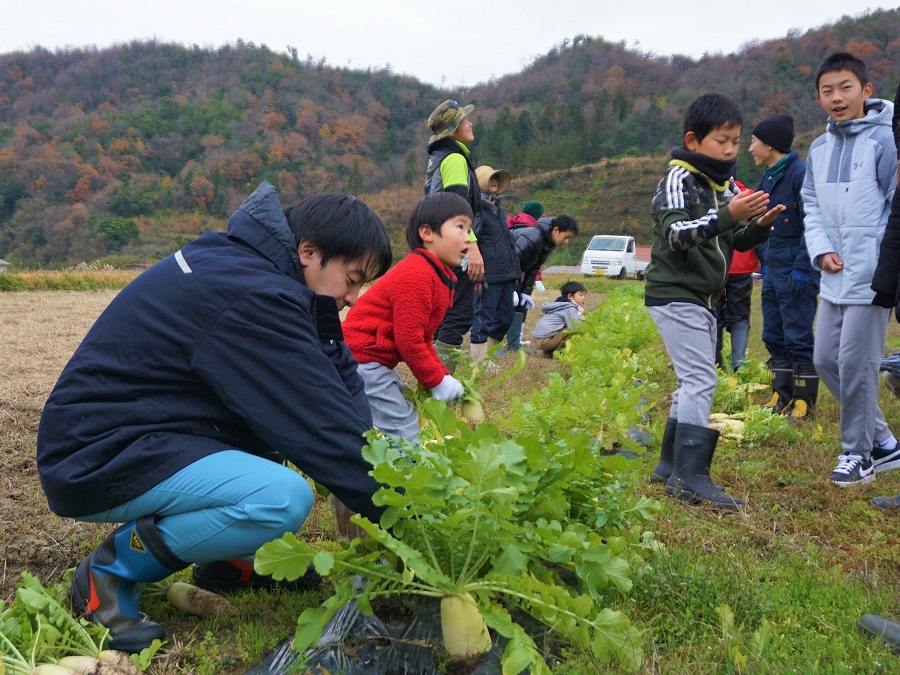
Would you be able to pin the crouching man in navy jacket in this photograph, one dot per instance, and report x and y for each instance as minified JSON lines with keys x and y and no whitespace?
{"x":212,"y":363}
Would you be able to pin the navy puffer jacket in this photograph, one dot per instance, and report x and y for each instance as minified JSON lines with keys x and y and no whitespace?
{"x":496,"y":244}
{"x":219,"y":346}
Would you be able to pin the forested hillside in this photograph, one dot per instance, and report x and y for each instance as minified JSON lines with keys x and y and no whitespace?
{"x":134,"y":149}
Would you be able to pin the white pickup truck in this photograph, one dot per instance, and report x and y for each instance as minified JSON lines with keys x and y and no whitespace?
{"x":612,"y":255}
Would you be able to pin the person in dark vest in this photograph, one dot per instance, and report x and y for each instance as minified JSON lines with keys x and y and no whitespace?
{"x":451,"y":169}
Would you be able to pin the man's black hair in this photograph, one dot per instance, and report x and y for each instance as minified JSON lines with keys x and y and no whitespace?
{"x":565,"y":223}
{"x":709,"y":112}
{"x":435,"y":210}
{"x":343,"y":228}
{"x":570,"y":288}
{"x":843,"y":61}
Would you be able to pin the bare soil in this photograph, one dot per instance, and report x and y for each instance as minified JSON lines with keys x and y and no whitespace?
{"x":38,"y":333}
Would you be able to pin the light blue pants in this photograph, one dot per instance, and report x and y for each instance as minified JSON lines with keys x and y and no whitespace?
{"x":689,"y":333}
{"x":225,"y":505}
{"x":847,"y":354}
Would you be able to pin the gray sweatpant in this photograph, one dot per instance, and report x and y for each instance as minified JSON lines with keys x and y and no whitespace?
{"x":391,"y":412}
{"x":689,"y":333}
{"x":849,"y":344}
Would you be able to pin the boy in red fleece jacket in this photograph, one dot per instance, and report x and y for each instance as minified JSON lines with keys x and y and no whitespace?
{"x":396,"y":318}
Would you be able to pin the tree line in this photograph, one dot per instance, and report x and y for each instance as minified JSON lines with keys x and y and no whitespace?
{"x":134,"y":149}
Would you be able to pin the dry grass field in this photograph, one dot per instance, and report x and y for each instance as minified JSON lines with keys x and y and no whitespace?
{"x":38,"y":333}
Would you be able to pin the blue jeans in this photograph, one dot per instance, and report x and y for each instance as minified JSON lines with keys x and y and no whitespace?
{"x":225,"y":505}
{"x":494,"y":311}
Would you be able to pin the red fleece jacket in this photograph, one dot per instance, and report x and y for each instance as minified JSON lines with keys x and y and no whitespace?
{"x":395,"y":319}
{"x":744,"y":262}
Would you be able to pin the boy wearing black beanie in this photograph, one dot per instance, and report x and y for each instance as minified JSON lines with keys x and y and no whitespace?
{"x":791,"y":283}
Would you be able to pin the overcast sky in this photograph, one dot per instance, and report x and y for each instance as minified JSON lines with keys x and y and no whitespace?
{"x":449,"y":44}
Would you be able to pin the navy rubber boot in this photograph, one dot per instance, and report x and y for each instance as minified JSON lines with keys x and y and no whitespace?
{"x":106,"y":586}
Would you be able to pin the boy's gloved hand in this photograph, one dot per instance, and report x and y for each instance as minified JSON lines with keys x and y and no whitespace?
{"x":448,"y":390}
{"x":797,"y":282}
{"x":515,"y":299}
{"x":526,"y":302}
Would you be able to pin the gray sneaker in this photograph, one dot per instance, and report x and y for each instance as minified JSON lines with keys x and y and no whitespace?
{"x":852,"y":470}
{"x":884,"y":459}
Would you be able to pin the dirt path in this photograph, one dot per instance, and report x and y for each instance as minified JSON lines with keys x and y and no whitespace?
{"x":38,"y":333}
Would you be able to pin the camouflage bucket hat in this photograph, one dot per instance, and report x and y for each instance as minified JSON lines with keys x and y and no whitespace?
{"x":445,"y":118}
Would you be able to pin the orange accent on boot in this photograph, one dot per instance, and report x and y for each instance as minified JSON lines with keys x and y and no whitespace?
{"x":93,"y":603}
{"x":245,"y":567}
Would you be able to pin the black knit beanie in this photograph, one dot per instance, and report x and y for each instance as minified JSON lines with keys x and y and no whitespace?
{"x":777,"y":131}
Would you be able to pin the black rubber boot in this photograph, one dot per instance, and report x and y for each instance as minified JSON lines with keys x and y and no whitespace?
{"x":806,"y":390}
{"x":106,"y":586}
{"x":225,"y":575}
{"x":885,"y":630}
{"x":663,"y":468}
{"x":782,"y":384}
{"x":690,"y":481}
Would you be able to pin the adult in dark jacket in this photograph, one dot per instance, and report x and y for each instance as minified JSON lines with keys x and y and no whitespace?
{"x":885,"y":284}
{"x":791,"y":283}
{"x":207,"y":367}
{"x":494,"y":310}
{"x":451,"y":169}
{"x":534,"y":243}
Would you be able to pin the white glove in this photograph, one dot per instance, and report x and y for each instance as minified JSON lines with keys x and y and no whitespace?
{"x":539,"y":286}
{"x":449,"y":389}
{"x":515,"y":299}
{"x":526,"y":301}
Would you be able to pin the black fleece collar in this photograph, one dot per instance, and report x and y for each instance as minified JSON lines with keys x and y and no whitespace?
{"x":719,"y":170}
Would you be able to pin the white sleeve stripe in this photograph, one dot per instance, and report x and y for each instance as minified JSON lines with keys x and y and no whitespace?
{"x":182,"y":263}
{"x":674,"y":193}
{"x":691,"y":224}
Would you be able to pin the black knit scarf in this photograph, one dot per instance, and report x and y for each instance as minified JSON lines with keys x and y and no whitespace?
{"x":718,"y":170}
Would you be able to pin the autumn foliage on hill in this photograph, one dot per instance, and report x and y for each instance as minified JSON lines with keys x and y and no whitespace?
{"x":135,"y":149}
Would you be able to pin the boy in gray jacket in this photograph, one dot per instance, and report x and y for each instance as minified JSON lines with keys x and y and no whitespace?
{"x":850,"y":181}
{"x":549,"y":332}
